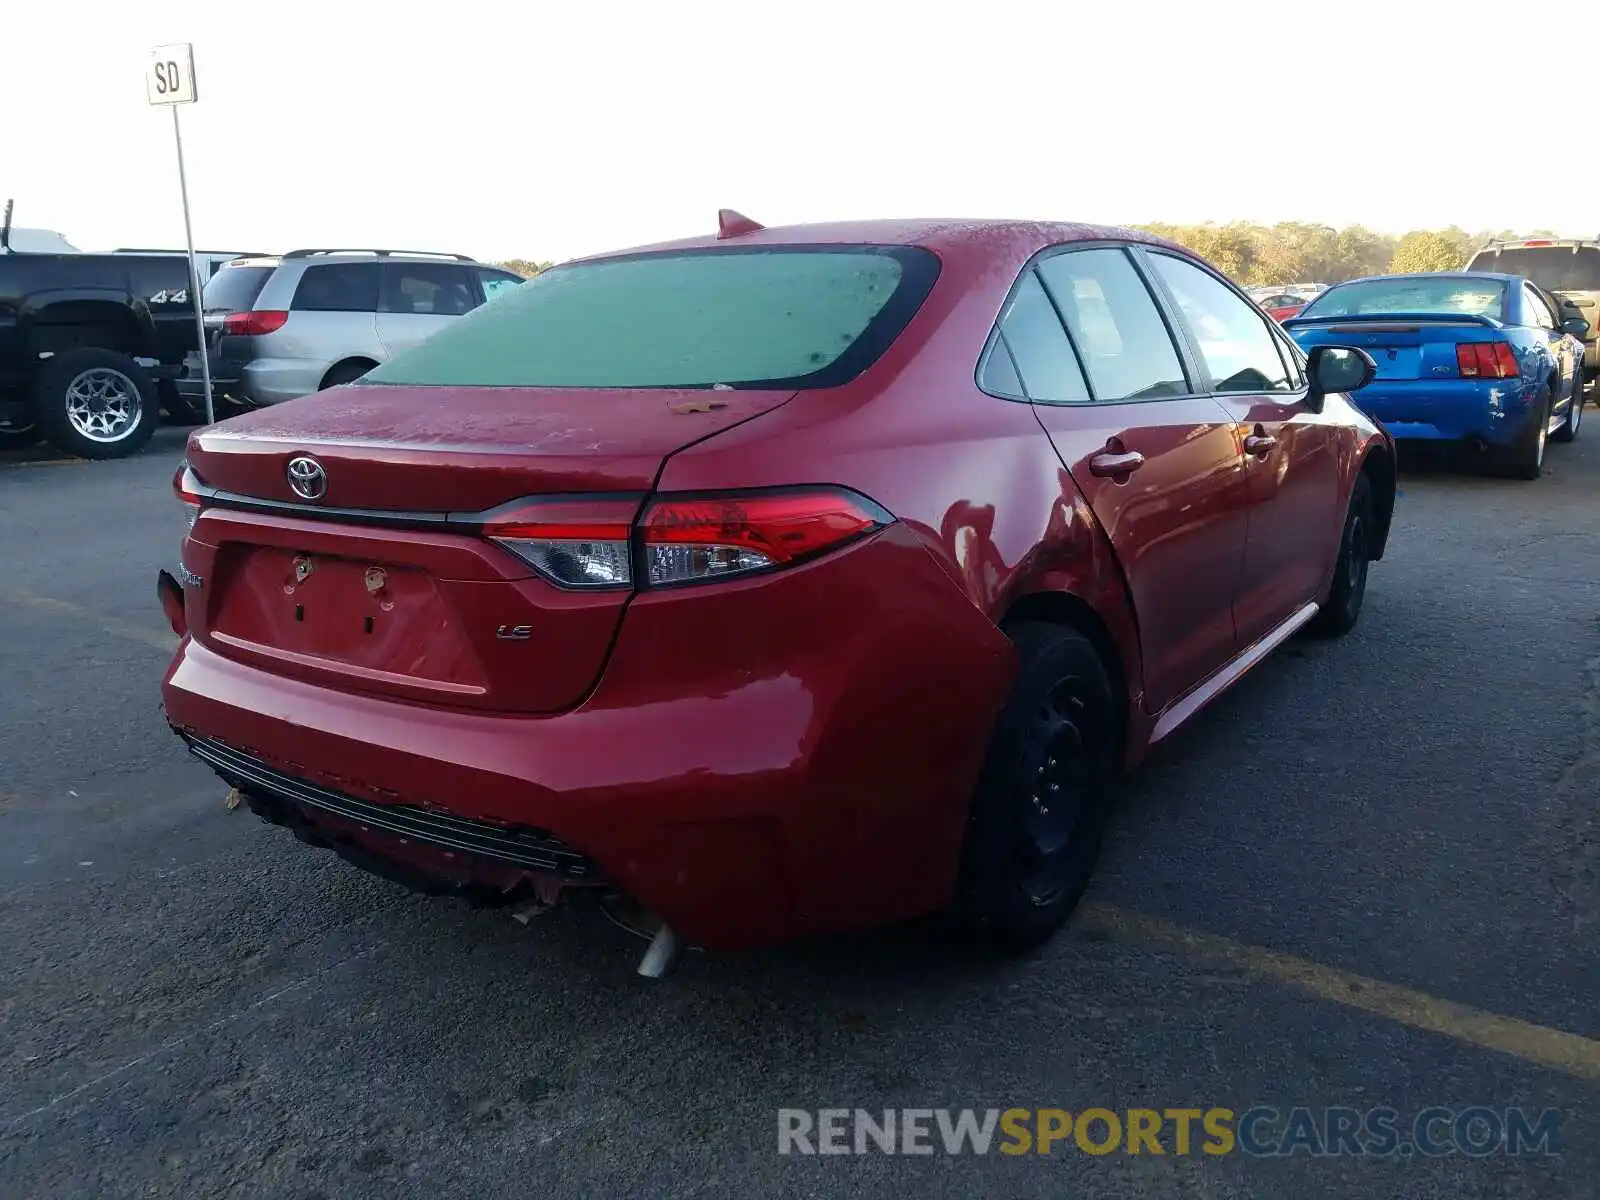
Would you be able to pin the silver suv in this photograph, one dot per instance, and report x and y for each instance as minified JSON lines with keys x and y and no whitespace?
{"x":282,"y":326}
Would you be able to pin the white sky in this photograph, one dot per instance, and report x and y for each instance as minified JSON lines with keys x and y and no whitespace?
{"x":560,"y":127}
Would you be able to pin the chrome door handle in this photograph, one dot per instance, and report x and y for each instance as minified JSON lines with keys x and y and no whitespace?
{"x":1109,"y":465}
{"x":1259,"y":443}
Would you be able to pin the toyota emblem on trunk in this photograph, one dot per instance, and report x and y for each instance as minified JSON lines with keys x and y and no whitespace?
{"x":307,"y":478}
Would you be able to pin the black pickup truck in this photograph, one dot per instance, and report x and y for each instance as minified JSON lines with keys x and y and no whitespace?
{"x":89,"y":344}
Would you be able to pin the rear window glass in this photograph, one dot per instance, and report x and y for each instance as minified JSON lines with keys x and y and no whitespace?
{"x":785,"y":317}
{"x":1445,"y":295}
{"x":338,"y":287}
{"x":1554,"y":268}
{"x":234,"y":289}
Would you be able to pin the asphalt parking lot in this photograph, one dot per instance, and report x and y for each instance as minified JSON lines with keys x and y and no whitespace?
{"x":1370,"y":876}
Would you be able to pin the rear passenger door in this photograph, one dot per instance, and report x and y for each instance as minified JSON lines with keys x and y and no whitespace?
{"x":332,"y":316}
{"x":420,"y":298}
{"x":1290,"y":452}
{"x":1157,"y":462}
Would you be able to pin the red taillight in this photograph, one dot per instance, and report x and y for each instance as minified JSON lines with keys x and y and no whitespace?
{"x":1487,"y":360}
{"x":186,"y":484}
{"x":592,"y":542}
{"x":254,"y":324}
{"x":689,"y":539}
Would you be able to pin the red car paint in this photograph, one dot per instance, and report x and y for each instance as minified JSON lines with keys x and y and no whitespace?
{"x":768,"y":756}
{"x":1284,"y":312}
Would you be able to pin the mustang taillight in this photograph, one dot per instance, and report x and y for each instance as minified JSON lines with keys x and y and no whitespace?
{"x":186,"y":484}
{"x":1487,"y":360}
{"x":681,"y":539}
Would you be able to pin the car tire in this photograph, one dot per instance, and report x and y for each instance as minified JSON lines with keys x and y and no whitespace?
{"x":18,"y":437}
{"x":1569,"y":428}
{"x":1348,"y":593}
{"x":1525,"y":460}
{"x":1043,"y":799}
{"x":95,"y":403}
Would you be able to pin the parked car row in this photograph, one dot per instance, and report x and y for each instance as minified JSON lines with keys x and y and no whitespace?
{"x":283,"y":326}
{"x":94,"y":346}
{"x":785,"y":580}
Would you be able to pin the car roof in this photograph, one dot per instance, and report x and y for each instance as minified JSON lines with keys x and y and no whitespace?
{"x":1555,"y":243}
{"x":274,"y":260}
{"x":958,"y":235}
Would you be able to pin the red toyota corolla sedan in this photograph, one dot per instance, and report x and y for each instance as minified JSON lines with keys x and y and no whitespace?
{"x":783,"y":580}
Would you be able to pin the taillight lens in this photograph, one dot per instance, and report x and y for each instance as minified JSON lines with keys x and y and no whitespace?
{"x":1487,"y":360}
{"x":186,"y":484}
{"x":579,"y":543}
{"x":690,"y":539}
{"x":593,"y":542}
{"x":254,"y":324}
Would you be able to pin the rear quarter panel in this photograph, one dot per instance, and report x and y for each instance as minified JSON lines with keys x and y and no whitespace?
{"x":973,"y":477}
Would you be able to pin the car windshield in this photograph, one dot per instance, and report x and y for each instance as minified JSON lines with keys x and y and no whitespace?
{"x":1443,"y":294}
{"x":782,"y":317}
{"x":1554,"y":268}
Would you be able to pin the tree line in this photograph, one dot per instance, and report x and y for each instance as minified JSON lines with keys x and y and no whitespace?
{"x":1294,"y":252}
{"x":526,"y":267}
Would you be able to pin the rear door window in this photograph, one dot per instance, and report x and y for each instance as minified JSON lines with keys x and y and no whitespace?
{"x":428,"y":289}
{"x":1233,"y":335}
{"x":1032,"y":332}
{"x":1127,"y":349}
{"x":337,"y":287}
{"x":1554,"y":268}
{"x":1538,"y":311}
{"x":234,"y":289}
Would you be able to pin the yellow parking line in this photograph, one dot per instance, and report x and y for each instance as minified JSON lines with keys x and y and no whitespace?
{"x":1537,"y":1044}
{"x":49,"y":462}
{"x":62,"y":608}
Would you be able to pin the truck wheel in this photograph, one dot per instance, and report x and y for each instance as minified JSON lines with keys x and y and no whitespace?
{"x":18,"y":437}
{"x":96,"y":404}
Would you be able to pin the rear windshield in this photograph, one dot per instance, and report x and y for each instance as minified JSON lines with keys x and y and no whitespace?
{"x":782,"y":317}
{"x":1554,"y":268}
{"x":1446,"y":295}
{"x":234,"y":289}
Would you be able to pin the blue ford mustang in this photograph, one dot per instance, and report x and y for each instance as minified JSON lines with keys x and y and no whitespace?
{"x":1487,"y":360}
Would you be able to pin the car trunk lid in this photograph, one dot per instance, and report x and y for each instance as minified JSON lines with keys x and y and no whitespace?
{"x":385,"y":583}
{"x":1403,"y":346}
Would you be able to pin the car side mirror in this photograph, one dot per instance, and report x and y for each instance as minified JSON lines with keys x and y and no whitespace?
{"x":1576,"y":326}
{"x":1334,"y":369}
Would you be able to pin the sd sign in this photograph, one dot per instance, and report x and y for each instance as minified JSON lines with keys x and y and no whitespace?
{"x":169,"y":75}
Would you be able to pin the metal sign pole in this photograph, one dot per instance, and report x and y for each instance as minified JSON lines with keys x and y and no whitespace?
{"x":194,"y":271}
